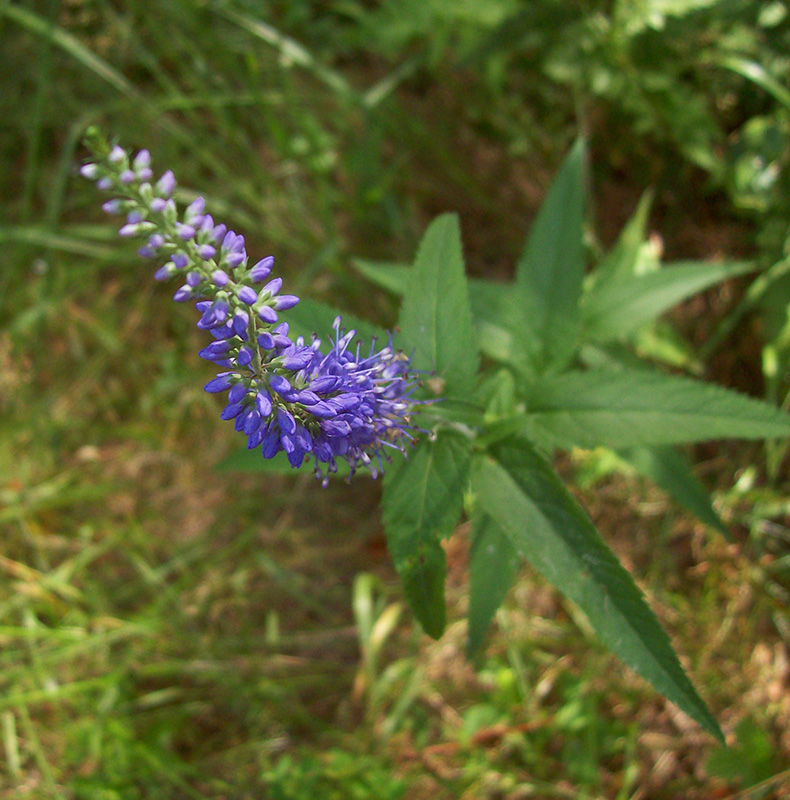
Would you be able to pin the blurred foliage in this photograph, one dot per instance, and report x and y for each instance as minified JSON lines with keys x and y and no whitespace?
{"x":171,"y":632}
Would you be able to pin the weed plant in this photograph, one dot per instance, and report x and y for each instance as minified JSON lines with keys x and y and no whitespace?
{"x":174,"y":631}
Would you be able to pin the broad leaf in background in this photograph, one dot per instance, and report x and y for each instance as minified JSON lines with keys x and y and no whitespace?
{"x":487,"y":300}
{"x":389,"y":275}
{"x":549,"y":275}
{"x":627,"y":255}
{"x":435,"y":319}
{"x":313,"y":316}
{"x":616,"y":308}
{"x":422,"y":503}
{"x":631,"y":408}
{"x":524,"y":496}
{"x":493,"y":562}
{"x":672,"y":471}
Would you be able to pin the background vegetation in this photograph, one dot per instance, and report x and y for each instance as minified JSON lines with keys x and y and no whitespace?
{"x":170,"y":630}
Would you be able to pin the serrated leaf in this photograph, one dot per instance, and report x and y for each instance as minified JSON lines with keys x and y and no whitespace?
{"x":488,"y":300}
{"x":545,"y":315}
{"x":631,"y":408}
{"x":617,"y":308}
{"x":521,"y":492}
{"x":671,"y":470}
{"x":435,"y":319}
{"x":493,"y":562}
{"x":422,"y":503}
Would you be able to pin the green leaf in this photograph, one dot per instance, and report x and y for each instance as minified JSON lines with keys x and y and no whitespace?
{"x":623,"y":259}
{"x":758,"y":74}
{"x":617,"y":308}
{"x":545,"y":315}
{"x":631,"y":408}
{"x":422,"y":503}
{"x":671,"y":470}
{"x":493,"y":565}
{"x":435,"y":320}
{"x":389,"y":275}
{"x":521,"y":492}
{"x":488,"y":301}
{"x":313,"y":316}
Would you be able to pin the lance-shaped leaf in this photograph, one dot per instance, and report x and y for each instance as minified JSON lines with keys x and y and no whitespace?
{"x":672,"y":471}
{"x":435,"y":320}
{"x":489,"y":302}
{"x":521,"y":492}
{"x":493,"y":562}
{"x":631,"y":408}
{"x":314,"y":317}
{"x":549,"y":274}
{"x":617,"y":308}
{"x":626,"y":257}
{"x":389,"y":275}
{"x":422,"y":503}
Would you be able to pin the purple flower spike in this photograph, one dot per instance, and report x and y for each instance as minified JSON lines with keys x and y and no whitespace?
{"x":231,"y":411}
{"x":252,"y":422}
{"x":262,"y":269}
{"x":183,"y":294}
{"x":272,"y":287}
{"x":286,"y":421}
{"x":271,"y":444}
{"x":263,"y":403}
{"x":298,"y":360}
{"x":142,"y":160}
{"x":117,"y":155}
{"x":221,"y":383}
{"x":266,"y":341}
{"x":247,"y":295}
{"x":303,"y":439}
{"x":294,"y":454}
{"x":185,"y":232}
{"x":237,"y":392}
{"x":245,"y":356}
{"x":240,"y":323}
{"x":285,"y":301}
{"x":195,"y":209}
{"x":166,"y":184}
{"x":267,"y":314}
{"x":220,"y":277}
{"x":281,"y":386}
{"x":283,"y":394}
{"x":90,"y":171}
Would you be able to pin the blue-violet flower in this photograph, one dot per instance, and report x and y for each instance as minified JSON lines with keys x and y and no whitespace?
{"x":283,"y":393}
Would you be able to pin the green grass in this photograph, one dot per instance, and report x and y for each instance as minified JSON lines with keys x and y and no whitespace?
{"x":169,"y":631}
